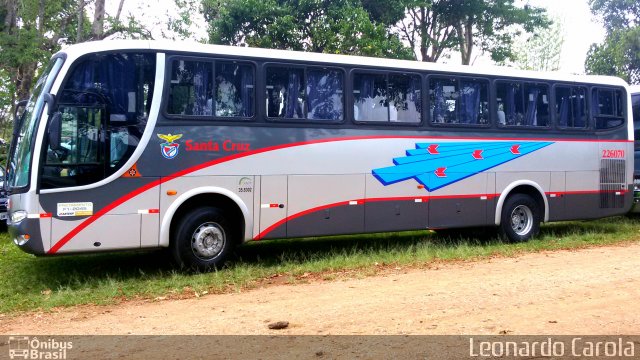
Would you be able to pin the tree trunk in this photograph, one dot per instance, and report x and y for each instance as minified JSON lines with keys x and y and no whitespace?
{"x":424,"y":48}
{"x":26,"y":73}
{"x":97,"y":29}
{"x":465,"y":33}
{"x":11,"y":17}
{"x":119,"y":10}
{"x":79,"y":37}
{"x":41,"y":18}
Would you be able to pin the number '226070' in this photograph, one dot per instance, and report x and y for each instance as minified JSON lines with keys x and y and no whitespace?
{"x":612,"y":154}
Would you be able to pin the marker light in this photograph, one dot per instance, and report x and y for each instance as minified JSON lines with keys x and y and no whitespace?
{"x":21,"y":239}
{"x":18,"y":216}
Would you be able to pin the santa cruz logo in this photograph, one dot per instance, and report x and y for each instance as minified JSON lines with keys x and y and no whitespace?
{"x":169,"y":149}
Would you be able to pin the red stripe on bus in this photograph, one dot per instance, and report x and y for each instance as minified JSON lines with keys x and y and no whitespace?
{"x":363,"y":201}
{"x":65,"y":239}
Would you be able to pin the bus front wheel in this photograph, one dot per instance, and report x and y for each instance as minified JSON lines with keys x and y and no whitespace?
{"x":202,"y":240}
{"x":521,"y":217}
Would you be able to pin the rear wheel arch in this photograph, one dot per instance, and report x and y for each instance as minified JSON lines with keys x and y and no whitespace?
{"x":525,"y":187}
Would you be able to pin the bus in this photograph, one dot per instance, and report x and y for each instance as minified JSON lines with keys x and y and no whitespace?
{"x":635,"y":102}
{"x":198,"y":148}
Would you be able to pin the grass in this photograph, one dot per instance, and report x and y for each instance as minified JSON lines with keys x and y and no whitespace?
{"x":28,"y":283}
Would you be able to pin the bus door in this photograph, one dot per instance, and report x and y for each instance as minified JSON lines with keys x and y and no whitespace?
{"x":95,"y":127}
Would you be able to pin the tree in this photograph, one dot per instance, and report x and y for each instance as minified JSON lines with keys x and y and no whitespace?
{"x":32,"y":30}
{"x":340,"y":26}
{"x":619,"y":53}
{"x":540,"y":51}
{"x":434,"y":27}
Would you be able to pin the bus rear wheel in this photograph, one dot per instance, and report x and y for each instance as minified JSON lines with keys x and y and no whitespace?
{"x":202,"y":240}
{"x":521,"y":217}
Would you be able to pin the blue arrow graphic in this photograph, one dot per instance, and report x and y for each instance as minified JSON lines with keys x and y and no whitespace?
{"x":436,"y":165}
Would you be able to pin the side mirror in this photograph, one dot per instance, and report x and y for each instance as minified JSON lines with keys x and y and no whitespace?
{"x":55,"y":131}
{"x":19,"y":110}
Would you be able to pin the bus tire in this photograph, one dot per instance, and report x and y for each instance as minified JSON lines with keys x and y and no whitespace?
{"x":521,"y":217}
{"x":203,"y":239}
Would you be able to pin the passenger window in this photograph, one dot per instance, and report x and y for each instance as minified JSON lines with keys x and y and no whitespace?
{"x":405,"y":99}
{"x":607,"y":108}
{"x":571,"y":106}
{"x":101,"y":113}
{"x":234,"y":89}
{"x":370,"y":96}
{"x":191,"y":90}
{"x":522,"y":104}
{"x":458,"y":101}
{"x":285,"y":93}
{"x":324,"y":94}
{"x":387,"y":98}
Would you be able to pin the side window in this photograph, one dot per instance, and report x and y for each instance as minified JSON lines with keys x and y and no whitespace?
{"x":458,"y":101}
{"x":405,"y":98}
{"x":607,"y":107}
{"x":191,"y":89}
{"x":234,"y":89}
{"x":101,"y":114}
{"x":387,"y":98}
{"x":522,"y":104}
{"x":571,"y":106}
{"x":285,"y":93}
{"x":324,"y":94}
{"x":370,"y":98}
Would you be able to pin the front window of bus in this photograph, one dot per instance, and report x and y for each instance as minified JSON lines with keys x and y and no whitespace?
{"x":101,"y":113}
{"x":20,"y":158}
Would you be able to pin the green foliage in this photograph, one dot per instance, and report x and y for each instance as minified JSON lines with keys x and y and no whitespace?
{"x":32,"y":34}
{"x":619,"y":53}
{"x":540,"y":51}
{"x":342,"y":26}
{"x":438,"y":26}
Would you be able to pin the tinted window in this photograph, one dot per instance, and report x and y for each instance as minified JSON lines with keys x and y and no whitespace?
{"x":195,"y":92}
{"x":458,"y":101}
{"x":571,"y":106}
{"x":191,"y":90}
{"x":607,"y":107}
{"x":285,"y":93}
{"x":324,"y":94}
{"x":234,"y":89}
{"x":387,"y":98}
{"x":102,"y":112}
{"x":522,"y":104}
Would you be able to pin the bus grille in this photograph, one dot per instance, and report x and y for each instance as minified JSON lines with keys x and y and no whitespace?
{"x":612,"y":183}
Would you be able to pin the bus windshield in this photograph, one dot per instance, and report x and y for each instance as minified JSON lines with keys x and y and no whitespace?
{"x":19,"y":166}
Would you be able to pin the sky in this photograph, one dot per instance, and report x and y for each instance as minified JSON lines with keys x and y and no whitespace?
{"x":581,"y":29}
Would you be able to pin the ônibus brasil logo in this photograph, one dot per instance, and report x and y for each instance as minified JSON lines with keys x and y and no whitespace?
{"x":169,"y":149}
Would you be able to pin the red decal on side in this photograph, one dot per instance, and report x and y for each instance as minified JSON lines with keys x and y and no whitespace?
{"x":477,"y":154}
{"x":433,"y":149}
{"x":440,"y":172}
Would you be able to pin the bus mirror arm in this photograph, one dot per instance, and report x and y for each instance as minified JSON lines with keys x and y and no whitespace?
{"x":49,"y":99}
{"x":20,"y":105}
{"x":55,"y":129}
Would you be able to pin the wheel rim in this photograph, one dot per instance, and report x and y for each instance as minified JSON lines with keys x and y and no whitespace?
{"x":521,"y":220}
{"x":208,"y":241}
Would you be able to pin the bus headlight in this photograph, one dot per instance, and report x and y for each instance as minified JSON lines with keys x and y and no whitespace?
{"x":18,"y":216}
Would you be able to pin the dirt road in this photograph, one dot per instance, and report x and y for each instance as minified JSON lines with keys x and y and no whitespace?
{"x":591,"y":291}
